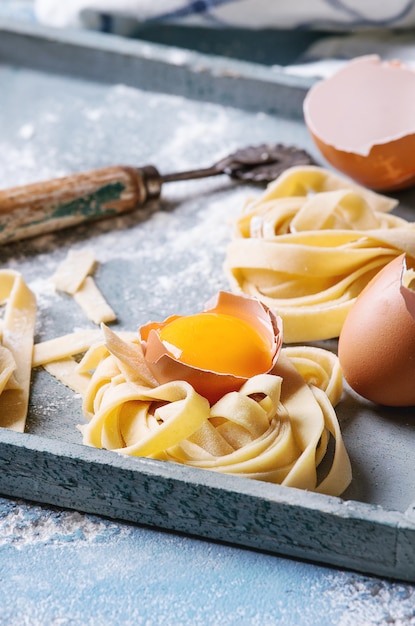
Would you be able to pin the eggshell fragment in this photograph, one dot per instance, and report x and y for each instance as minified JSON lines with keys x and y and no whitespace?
{"x":377,"y":341}
{"x":362,"y":119}
{"x":212,"y":385}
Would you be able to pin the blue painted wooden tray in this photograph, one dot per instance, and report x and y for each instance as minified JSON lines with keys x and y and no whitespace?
{"x":71,"y":102}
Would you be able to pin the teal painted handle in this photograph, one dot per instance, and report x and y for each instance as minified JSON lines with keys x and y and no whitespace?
{"x":49,"y":206}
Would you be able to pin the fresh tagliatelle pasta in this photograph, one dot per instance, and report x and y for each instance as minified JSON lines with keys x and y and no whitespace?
{"x":17,"y":327}
{"x":277,"y":427}
{"x":309,"y":245}
{"x":16,"y":347}
{"x":73,"y":277}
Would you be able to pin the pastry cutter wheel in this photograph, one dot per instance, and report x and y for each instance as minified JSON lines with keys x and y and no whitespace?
{"x":45,"y":207}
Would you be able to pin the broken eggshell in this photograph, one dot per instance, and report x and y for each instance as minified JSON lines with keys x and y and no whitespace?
{"x":212,"y":385}
{"x":377,"y":341}
{"x":362,"y":119}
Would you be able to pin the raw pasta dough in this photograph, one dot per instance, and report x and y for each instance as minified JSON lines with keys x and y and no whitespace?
{"x":276,"y":428}
{"x":308,"y":246}
{"x":16,"y":347}
{"x":73,"y":277}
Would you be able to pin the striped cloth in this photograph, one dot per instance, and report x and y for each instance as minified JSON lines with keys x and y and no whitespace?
{"x":251,"y":14}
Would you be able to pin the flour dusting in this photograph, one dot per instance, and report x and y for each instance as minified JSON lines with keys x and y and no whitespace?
{"x":23,"y":525}
{"x":371,"y":601}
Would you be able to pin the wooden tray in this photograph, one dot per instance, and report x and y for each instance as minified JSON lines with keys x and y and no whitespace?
{"x":71,"y":102}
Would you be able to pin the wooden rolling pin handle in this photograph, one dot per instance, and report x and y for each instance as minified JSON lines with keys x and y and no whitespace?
{"x":49,"y":206}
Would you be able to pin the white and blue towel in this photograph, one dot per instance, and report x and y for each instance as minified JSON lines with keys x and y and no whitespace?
{"x":251,"y":14}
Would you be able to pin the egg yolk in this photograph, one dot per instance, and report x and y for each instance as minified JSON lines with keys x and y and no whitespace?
{"x":219,"y":343}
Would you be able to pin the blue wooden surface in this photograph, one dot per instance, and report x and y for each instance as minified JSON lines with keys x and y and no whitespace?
{"x":50,"y":124}
{"x":64,"y":567}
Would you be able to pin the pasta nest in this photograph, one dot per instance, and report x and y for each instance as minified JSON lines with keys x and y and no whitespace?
{"x":278,"y":427}
{"x":309,"y":245}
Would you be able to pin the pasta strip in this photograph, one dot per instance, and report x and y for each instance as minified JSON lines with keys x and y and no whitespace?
{"x":181,"y":416}
{"x":93,"y":303}
{"x":7,"y":368}
{"x":72,"y":272}
{"x":65,"y":346}
{"x":17,"y":348}
{"x":130,"y":357}
{"x":302,"y":180}
{"x":66,"y":372}
{"x":73,"y":277}
{"x":318,"y":367}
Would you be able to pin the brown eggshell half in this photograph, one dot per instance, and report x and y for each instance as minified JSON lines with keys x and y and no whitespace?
{"x":377,"y":341}
{"x":362,"y":119}
{"x":212,"y":385}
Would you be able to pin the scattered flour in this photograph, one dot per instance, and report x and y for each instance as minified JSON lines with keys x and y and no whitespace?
{"x":163,"y":259}
{"x":22,"y":524}
{"x":27,"y":131}
{"x":361,"y":601}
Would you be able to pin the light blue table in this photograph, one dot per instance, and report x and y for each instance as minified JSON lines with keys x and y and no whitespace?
{"x":60,"y":567}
